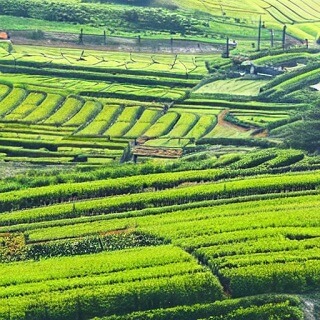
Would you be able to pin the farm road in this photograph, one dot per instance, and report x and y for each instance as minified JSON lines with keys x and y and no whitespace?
{"x":96,"y":42}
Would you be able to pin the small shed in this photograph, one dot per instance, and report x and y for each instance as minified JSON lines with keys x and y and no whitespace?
{"x":4,"y":35}
{"x":249,"y":67}
{"x":316,"y":86}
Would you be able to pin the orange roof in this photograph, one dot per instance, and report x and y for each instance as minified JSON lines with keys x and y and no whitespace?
{"x":3,"y":36}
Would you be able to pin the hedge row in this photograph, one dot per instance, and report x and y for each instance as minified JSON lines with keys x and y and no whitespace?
{"x":261,"y":307}
{"x":96,"y":71}
{"x":236,"y":142}
{"x":288,"y":277}
{"x":29,"y":144}
{"x":96,"y":14}
{"x":86,"y":303}
{"x":114,"y":241}
{"x":202,"y":100}
{"x":97,"y":76}
{"x":268,"y":88}
{"x":17,"y":200}
{"x":170,"y":197}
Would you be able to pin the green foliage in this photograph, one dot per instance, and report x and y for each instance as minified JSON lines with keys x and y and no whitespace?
{"x":304,"y":134}
{"x":120,"y":240}
{"x":259,"y":307}
{"x":81,"y":13}
{"x":12,"y":247}
{"x":285,"y":158}
{"x":236,"y":142}
{"x":253,"y":279}
{"x":137,"y":201}
{"x":290,"y":81}
{"x":254,"y":235}
{"x":279,"y":311}
{"x":255,"y":159}
{"x":106,"y":283}
{"x":13,"y":99}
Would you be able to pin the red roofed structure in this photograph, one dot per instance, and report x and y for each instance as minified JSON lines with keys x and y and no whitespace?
{"x":4,"y":35}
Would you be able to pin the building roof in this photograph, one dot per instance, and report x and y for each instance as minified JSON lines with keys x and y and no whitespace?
{"x":316,"y":86}
{"x":3,"y":35}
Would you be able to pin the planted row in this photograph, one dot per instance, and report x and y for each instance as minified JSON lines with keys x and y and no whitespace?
{"x":260,"y":307}
{"x":84,"y":303}
{"x":278,"y":277}
{"x":235,"y":188}
{"x":104,"y":284}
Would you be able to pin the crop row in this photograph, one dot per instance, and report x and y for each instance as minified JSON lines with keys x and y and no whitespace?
{"x":297,"y":11}
{"x":221,"y":190}
{"x":191,"y":162}
{"x":103,"y":279}
{"x":261,"y":251}
{"x":12,"y":100}
{"x":147,"y":119}
{"x":93,"y":120}
{"x":302,"y":80}
{"x":261,"y":307}
{"x":71,"y":106}
{"x":291,"y":81}
{"x":236,"y":105}
{"x":278,"y":277}
{"x":262,"y":221}
{"x":124,"y":122}
{"x":51,"y":103}
{"x":100,"y":263}
{"x":66,"y":192}
{"x":110,"y":299}
{"x":136,"y":280}
{"x":128,"y":64}
{"x":101,"y":77}
{"x":270,"y":159}
{"x":31,"y":102}
{"x":4,"y":90}
{"x":123,"y":239}
{"x":163,"y":125}
{"x":222,"y":225}
{"x":87,"y":225}
{"x":38,"y":178}
{"x":185,"y":123}
{"x":204,"y":125}
{"x":89,"y":110}
{"x":35,"y":107}
{"x":102,"y":121}
{"x":28,"y":144}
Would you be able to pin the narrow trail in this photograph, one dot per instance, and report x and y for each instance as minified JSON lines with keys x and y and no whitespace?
{"x":179,"y":47}
{"x":311,"y":307}
{"x":309,"y":313}
{"x":226,"y":124}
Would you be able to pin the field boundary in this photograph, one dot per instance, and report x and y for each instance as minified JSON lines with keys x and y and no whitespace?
{"x":112,"y":43}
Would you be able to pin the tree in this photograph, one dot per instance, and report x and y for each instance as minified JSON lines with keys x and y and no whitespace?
{"x":305,"y":134}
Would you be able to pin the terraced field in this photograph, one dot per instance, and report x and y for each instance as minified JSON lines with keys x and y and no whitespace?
{"x":210,"y":20}
{"x":117,"y":109}
{"x":221,"y":237}
{"x":166,"y":184}
{"x":234,"y":87}
{"x":302,"y":17}
{"x":118,"y":106}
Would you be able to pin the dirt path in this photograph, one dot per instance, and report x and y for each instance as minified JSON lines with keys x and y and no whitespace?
{"x":255,"y":131}
{"x":124,"y":45}
{"x":228,"y":125}
{"x":311,"y":308}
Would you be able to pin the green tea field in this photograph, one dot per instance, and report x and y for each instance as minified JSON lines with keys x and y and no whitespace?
{"x":178,"y":243}
{"x":159,"y":160}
